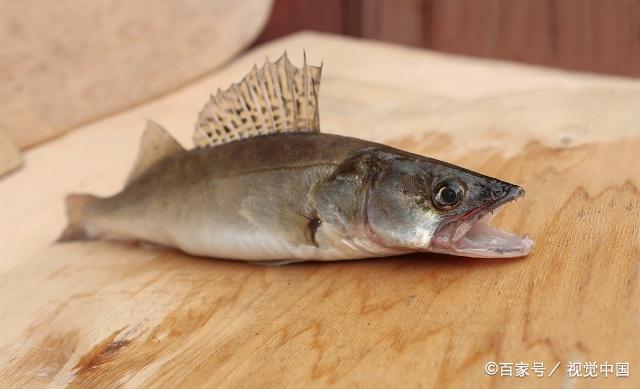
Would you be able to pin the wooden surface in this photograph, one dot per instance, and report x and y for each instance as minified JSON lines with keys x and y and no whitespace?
{"x":67,"y":63}
{"x":106,"y":314}
{"x":10,"y":158}
{"x":595,"y":36}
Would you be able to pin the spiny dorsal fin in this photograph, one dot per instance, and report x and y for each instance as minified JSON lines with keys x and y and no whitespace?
{"x":278,"y":97}
{"x":156,"y":143}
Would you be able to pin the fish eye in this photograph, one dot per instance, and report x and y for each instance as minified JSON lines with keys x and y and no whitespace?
{"x":448,"y":194}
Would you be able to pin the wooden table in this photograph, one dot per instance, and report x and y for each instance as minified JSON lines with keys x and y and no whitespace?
{"x":104,"y":314}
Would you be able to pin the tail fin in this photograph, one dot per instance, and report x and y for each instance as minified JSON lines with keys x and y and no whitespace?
{"x":77,"y":206}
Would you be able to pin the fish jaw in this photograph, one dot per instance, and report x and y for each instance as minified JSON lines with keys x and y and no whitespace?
{"x":472,"y":236}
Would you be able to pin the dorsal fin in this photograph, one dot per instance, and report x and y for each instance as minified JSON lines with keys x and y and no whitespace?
{"x":278,"y":97}
{"x":156,"y":143}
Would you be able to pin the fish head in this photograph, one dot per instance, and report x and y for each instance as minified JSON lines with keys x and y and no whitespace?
{"x":420,"y":204}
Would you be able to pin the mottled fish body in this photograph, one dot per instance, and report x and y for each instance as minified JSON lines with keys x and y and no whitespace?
{"x":263,"y":184}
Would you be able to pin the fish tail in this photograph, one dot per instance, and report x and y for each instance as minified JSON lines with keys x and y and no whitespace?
{"x":77,"y":208}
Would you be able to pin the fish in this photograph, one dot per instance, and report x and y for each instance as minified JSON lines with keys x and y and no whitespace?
{"x":263,"y":184}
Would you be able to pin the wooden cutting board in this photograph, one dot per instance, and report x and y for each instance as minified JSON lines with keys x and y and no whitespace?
{"x":104,"y":314}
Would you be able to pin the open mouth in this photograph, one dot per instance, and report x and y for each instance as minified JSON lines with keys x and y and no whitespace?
{"x":472,"y":236}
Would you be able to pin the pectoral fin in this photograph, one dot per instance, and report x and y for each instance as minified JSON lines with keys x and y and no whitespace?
{"x":281,"y":220}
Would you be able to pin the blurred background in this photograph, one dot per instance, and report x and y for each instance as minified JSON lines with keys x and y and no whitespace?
{"x":588,"y":35}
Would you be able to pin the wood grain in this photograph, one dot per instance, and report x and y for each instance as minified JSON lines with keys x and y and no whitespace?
{"x":112,"y":314}
{"x":68,"y":63}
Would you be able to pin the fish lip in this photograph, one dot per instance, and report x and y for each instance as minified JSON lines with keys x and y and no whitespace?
{"x":515,"y":193}
{"x":448,"y":239}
